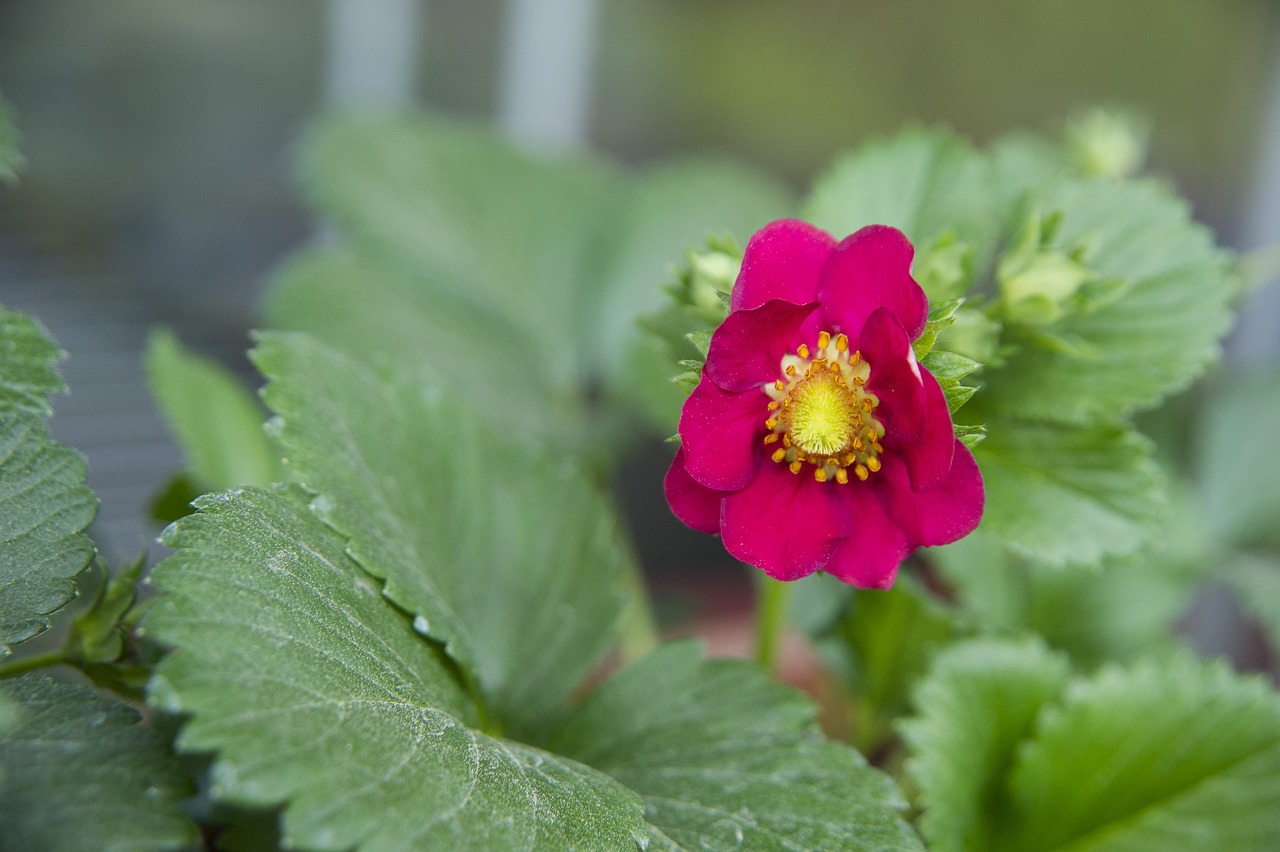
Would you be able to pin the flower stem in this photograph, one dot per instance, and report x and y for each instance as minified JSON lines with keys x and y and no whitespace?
{"x":35,"y":661}
{"x":771,"y":620}
{"x":639,"y":634}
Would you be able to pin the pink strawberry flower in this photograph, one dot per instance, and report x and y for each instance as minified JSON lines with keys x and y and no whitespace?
{"x":815,"y":441}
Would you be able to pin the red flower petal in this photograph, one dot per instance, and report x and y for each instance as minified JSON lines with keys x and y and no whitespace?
{"x":746,"y":348}
{"x":722,"y":434}
{"x":929,"y":458}
{"x":942,"y":514}
{"x":895,"y":376}
{"x":782,"y":261}
{"x":870,"y":556}
{"x":783,"y":523}
{"x":869,"y":270}
{"x":694,"y":504}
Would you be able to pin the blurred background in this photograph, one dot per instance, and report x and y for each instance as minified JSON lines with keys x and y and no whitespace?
{"x":159,"y":140}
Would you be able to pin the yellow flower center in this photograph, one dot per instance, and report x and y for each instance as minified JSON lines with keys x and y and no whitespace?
{"x":821,"y":413}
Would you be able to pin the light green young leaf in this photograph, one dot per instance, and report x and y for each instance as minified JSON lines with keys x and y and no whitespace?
{"x":925,"y":183}
{"x":1143,"y":341}
{"x":79,"y":772}
{"x":1067,"y":494}
{"x":978,"y":703}
{"x":317,"y":693}
{"x":1179,"y":754}
{"x":725,"y":758}
{"x":217,"y":422}
{"x":509,"y":559}
{"x":44,"y":503}
{"x":1237,"y":460}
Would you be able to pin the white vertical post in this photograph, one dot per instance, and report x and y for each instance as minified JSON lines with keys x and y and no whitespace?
{"x":372,"y":51}
{"x":546,"y":74}
{"x":1257,"y":337}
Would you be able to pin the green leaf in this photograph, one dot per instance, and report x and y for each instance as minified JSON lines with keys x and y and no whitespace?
{"x":44,"y":503}
{"x":978,"y":703}
{"x":1125,"y":609}
{"x":1139,"y":343}
{"x":394,"y":317}
{"x":79,"y":772}
{"x":472,"y":217}
{"x":316,"y":692}
{"x":508,"y":558}
{"x":928,"y":184}
{"x":28,"y":364}
{"x":1167,"y":755}
{"x":1236,"y":457}
{"x":1069,"y":495}
{"x":725,"y":758}
{"x":217,"y":422}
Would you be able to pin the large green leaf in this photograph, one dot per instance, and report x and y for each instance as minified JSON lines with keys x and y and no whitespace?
{"x":509,"y":559}
{"x":928,"y":184}
{"x":1068,"y":494}
{"x":44,"y":503}
{"x":524,"y":274}
{"x":78,"y":772}
{"x":317,"y":693}
{"x":1152,"y":332}
{"x":727,"y":759}
{"x":217,"y":422}
{"x":1174,"y":755}
{"x":472,"y":217}
{"x":979,"y":701}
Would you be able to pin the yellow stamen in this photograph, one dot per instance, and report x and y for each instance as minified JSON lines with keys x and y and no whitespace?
{"x":862,"y":472}
{"x":803,"y":351}
{"x":771,"y":423}
{"x":795,"y":466}
{"x":842,"y":342}
{"x":824,"y":337}
{"x":820,"y":474}
{"x":842,"y":476}
{"x":779,"y":454}
{"x":873,"y":464}
{"x":771,"y":438}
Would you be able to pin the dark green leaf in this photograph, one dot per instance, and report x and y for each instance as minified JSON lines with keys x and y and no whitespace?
{"x":44,"y":503}
{"x":509,"y":558}
{"x":725,"y":758}
{"x":316,"y":692}
{"x":79,"y":772}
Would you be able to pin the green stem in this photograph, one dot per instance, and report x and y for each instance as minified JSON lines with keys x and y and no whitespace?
{"x":35,"y":661}
{"x":771,"y":621}
{"x":638,"y":633}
